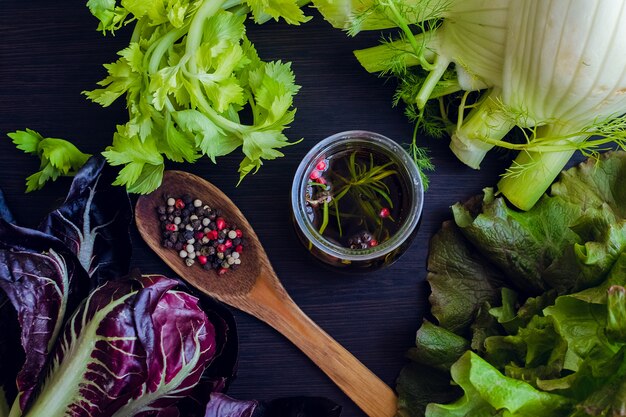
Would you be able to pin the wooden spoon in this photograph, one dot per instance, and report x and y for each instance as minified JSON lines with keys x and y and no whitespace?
{"x":255,"y":289}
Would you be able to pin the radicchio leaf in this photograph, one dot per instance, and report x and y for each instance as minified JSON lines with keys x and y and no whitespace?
{"x":133,"y":348}
{"x":221,"y":405}
{"x":93,"y":222}
{"x":42,"y":280}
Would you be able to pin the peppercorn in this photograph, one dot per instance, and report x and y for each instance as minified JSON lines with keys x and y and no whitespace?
{"x":204,"y":235}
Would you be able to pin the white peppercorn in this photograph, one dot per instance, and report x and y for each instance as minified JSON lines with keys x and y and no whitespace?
{"x":183,"y":253}
{"x":232,"y":234}
{"x":189,"y":249}
{"x":177,"y":220}
{"x":171,"y":201}
{"x":197,"y":202}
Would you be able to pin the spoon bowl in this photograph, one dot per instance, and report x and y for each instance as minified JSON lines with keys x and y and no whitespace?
{"x":255,"y":289}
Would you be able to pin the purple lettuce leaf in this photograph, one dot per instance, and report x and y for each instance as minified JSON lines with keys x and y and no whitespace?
{"x":40,"y":280}
{"x":133,"y":348}
{"x":5,"y":213}
{"x":94,"y":222}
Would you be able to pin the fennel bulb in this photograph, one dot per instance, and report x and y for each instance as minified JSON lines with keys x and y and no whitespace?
{"x":556,"y":68}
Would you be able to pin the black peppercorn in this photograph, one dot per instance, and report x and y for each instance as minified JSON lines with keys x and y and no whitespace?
{"x":161,"y":209}
{"x":170,"y":218}
{"x":170,"y":210}
{"x":187,"y":199}
{"x":178,"y":246}
{"x":163,"y":218}
{"x":187,"y":234}
{"x":236,"y":241}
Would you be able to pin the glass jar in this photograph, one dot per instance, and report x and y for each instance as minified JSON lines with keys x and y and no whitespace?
{"x":409,"y":188}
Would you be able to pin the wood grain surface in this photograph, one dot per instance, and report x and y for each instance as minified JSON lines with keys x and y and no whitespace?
{"x":51,"y":51}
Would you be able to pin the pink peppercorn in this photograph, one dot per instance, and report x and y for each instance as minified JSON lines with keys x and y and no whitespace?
{"x":315,"y":174}
{"x":221,"y":223}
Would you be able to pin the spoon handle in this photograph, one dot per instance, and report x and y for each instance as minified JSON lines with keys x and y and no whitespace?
{"x":272,"y":304}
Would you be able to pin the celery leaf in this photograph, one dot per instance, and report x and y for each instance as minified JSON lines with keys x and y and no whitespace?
{"x":58,"y":157}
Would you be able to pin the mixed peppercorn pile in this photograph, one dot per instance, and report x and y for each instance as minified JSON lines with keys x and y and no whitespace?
{"x":199,"y":234}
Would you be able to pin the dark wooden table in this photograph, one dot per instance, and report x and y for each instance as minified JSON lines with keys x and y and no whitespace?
{"x":51,"y":51}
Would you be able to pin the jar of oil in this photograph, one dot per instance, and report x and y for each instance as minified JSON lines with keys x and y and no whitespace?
{"x":357,"y":200}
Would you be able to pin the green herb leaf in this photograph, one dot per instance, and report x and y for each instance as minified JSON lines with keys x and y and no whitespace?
{"x":58,"y":157}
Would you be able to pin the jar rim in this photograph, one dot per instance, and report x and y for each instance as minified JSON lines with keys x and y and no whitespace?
{"x":370,"y":140}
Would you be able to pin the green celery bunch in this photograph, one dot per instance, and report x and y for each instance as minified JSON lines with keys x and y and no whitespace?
{"x":187,"y":73}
